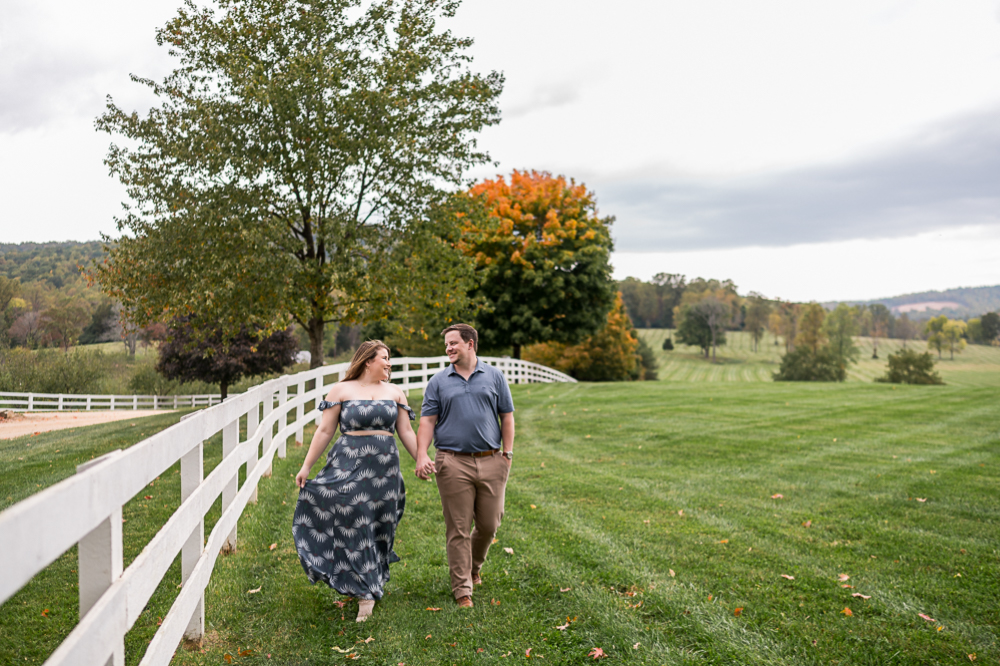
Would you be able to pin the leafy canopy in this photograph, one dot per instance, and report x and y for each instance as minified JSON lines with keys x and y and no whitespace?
{"x":287,"y":150}
{"x":910,"y":367}
{"x":542,"y":256}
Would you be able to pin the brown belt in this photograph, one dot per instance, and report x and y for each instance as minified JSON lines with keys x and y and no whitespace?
{"x":474,"y":454}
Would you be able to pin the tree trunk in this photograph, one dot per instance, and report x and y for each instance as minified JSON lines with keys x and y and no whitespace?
{"x":315,"y":329}
{"x":224,"y":389}
{"x":517,"y":351}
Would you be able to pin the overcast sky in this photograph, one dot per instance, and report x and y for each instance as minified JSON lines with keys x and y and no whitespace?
{"x":819,"y":151}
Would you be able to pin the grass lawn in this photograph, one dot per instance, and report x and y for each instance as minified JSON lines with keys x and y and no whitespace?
{"x":644,"y":512}
{"x":736,"y":361}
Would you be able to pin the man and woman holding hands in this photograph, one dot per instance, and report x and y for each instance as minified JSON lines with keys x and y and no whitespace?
{"x":346,"y":517}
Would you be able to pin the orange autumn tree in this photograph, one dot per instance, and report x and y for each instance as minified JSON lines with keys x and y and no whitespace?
{"x":542,"y":258}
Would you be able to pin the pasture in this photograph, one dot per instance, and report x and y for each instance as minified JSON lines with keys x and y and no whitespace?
{"x":736,"y":361}
{"x":671,"y":522}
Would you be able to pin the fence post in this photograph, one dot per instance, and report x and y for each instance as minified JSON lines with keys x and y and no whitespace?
{"x":253,"y":422}
{"x":319,"y":385}
{"x":60,"y":402}
{"x":282,"y":420}
{"x":31,"y":402}
{"x":299,"y":412}
{"x":269,"y":431}
{"x":230,"y":440}
{"x":192,"y":474}
{"x":175,"y":401}
{"x":100,"y":562}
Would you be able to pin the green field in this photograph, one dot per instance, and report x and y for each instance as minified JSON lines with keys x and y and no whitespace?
{"x":975,"y":366}
{"x":642,"y":510}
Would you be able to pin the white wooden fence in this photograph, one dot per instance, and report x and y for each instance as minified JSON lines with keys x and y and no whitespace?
{"x":58,"y":402}
{"x":86,"y":509}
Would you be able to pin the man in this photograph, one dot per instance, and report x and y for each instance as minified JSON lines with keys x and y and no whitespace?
{"x":469,"y":413}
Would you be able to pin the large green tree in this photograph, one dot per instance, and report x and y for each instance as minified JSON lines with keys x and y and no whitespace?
{"x":840,"y":327}
{"x":542,"y":258}
{"x":286,"y":152}
{"x":989,"y":323}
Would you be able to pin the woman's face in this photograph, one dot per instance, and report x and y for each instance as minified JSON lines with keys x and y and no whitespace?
{"x":379,"y":367}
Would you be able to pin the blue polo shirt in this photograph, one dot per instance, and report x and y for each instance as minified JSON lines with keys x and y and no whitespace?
{"x":469,"y":410}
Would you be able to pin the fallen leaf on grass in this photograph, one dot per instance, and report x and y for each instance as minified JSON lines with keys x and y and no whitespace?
{"x":339,"y":650}
{"x":246,"y":653}
{"x":636,"y":646}
{"x":681,"y":513}
{"x":527,"y":653}
{"x":847,"y":612}
{"x":645,"y":522}
{"x":147,"y":497}
{"x":927,"y":617}
{"x":808,"y":523}
{"x":597,"y":653}
{"x":159,"y":621}
{"x":671,"y":572}
{"x":565,"y":589}
{"x":738,"y":611}
{"x":427,"y":637}
{"x":972,"y":657}
{"x":509,"y":551}
{"x":228,"y":657}
{"x":45,"y":613}
{"x":494,"y":602}
{"x":495,"y":541}
{"x":777,"y":496}
{"x":843,"y":577}
{"x":340,"y":604}
{"x":369,"y":639}
{"x":432,"y":609}
{"x":724,"y":541}
{"x":272,"y":546}
{"x":254,"y":591}
{"x":850,"y":587}
{"x":788,"y":577}
{"x":921,"y":499}
{"x":862,"y":596}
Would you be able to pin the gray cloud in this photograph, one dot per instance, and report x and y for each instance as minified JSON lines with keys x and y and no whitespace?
{"x":557,"y":94}
{"x":948,"y":176}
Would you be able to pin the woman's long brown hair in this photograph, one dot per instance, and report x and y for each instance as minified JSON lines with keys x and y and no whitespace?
{"x":366,"y":351}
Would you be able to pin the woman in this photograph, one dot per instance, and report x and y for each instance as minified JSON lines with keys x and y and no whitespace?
{"x":346,"y":518}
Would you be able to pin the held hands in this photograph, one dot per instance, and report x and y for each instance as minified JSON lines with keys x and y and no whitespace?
{"x":425,"y":467}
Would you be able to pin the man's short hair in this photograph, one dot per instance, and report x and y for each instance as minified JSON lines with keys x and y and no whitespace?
{"x":468,"y":334}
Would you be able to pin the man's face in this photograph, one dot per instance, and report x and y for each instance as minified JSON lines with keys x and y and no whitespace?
{"x":457,"y":349}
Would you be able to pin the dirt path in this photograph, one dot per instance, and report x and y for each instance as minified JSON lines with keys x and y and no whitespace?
{"x":35,"y":422}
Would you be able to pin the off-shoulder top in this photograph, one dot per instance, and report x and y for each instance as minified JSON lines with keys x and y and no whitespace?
{"x":358,"y":415}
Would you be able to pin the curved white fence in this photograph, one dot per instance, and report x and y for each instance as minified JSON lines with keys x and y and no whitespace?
{"x":86,"y":509}
{"x":516,"y":372}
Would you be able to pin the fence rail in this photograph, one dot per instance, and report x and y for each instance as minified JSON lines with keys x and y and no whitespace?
{"x":516,"y":372}
{"x":86,"y":509}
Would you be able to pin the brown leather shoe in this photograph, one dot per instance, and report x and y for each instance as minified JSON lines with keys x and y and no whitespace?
{"x":464,"y":602}
{"x":477,"y":579}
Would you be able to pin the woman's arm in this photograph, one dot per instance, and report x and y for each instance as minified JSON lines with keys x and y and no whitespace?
{"x":404,"y":429}
{"x":321,"y":438}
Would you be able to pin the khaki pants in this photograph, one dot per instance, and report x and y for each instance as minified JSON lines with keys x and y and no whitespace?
{"x":472,"y":490}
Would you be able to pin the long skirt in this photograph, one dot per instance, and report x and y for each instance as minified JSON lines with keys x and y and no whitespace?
{"x":345,"y":519}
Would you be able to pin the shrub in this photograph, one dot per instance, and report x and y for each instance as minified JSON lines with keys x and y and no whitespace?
{"x":147,"y":381}
{"x":48,"y":371}
{"x":806,"y":365}
{"x":668,"y":345}
{"x":909,"y":367}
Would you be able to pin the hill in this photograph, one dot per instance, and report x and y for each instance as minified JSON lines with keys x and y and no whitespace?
{"x":962,"y":302}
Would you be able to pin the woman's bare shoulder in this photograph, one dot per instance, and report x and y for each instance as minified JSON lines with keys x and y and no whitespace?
{"x":340,"y":391}
{"x":400,"y":396}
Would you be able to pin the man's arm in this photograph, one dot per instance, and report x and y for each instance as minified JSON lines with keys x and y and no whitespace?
{"x":507,"y":432}
{"x":425,"y":433}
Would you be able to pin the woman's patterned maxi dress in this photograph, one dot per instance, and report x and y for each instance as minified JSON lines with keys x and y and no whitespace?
{"x":345,"y":519}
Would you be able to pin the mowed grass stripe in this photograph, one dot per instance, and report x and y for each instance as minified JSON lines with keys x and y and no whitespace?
{"x":977,"y":366}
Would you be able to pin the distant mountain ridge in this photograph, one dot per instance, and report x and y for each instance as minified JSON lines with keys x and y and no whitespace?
{"x":962,"y":302}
